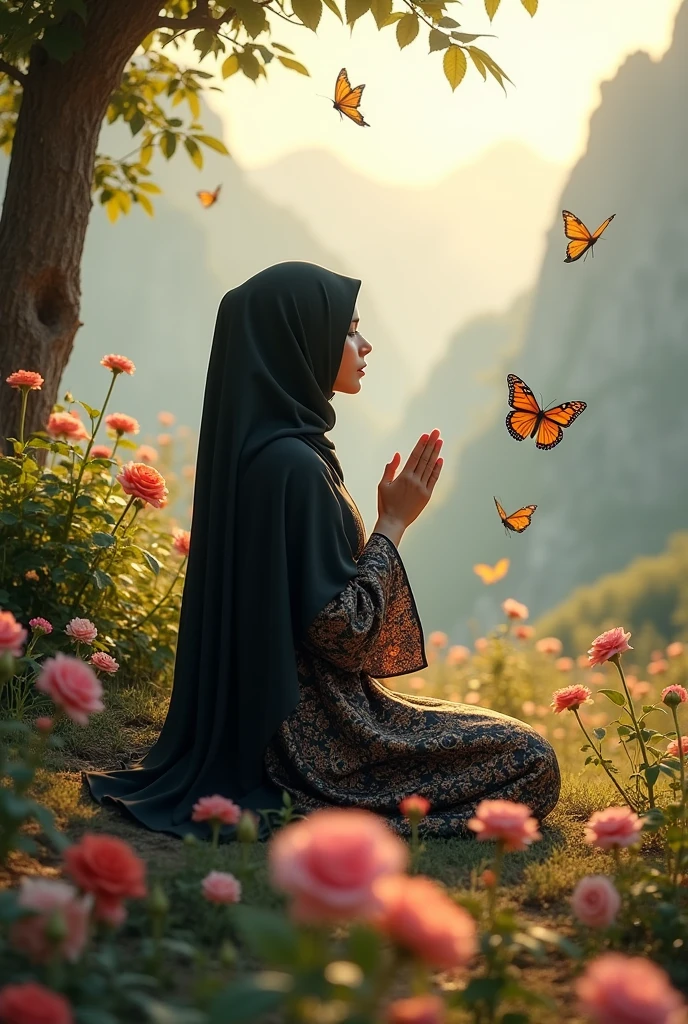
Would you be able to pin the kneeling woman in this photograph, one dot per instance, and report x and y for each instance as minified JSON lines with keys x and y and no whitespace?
{"x":290,"y":616}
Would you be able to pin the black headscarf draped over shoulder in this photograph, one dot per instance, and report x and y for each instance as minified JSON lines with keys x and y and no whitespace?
{"x":271,"y":545}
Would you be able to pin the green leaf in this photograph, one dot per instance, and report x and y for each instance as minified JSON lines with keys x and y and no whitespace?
{"x":252,"y":16}
{"x":531,"y":6}
{"x":168,"y":144}
{"x":335,"y":10}
{"x":599,"y":734}
{"x":355,"y":9}
{"x":194,"y":152}
{"x":230,"y":66}
{"x":102,"y":540}
{"x":309,"y":12}
{"x":651,"y":774}
{"x":454,"y":65}
{"x":438,"y":40}
{"x":93,"y":413}
{"x":381,"y":10}
{"x":268,"y":934}
{"x":293,"y":65}
{"x":151,"y":561}
{"x":245,"y":1000}
{"x":249,"y":65}
{"x":8,"y":518}
{"x":212,"y":143}
{"x":364,"y":947}
{"x":477,"y":61}
{"x":491,"y":6}
{"x":615,"y":697}
{"x":145,"y":202}
{"x":102,"y":579}
{"x":407,"y":30}
{"x":77,"y":565}
{"x":448,"y":23}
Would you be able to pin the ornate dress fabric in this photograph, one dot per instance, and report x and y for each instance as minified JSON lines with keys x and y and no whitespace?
{"x":352,"y":741}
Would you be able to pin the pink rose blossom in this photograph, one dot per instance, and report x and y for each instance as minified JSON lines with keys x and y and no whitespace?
{"x":166,"y":419}
{"x":146,"y":453}
{"x":675,"y":650}
{"x":221,"y":887}
{"x":164,"y":440}
{"x":563,"y":664}
{"x":549,"y":645}
{"x":43,"y":625}
{"x":414,"y":806}
{"x":44,"y":724}
{"x":617,"y":989}
{"x":457,"y":655}
{"x":425,"y":1009}
{"x":438,"y":639}
{"x":595,"y":901}
{"x":481,"y":644}
{"x":570,"y":698}
{"x":216,"y":808}
{"x":656,"y":668}
{"x":31,"y":574}
{"x":524,"y":632}
{"x":25,"y":379}
{"x":672,"y":747}
{"x":419,"y":916}
{"x":608,"y":645}
{"x":12,"y":635}
{"x":48,"y":897}
{"x":509,"y":823}
{"x":656,"y":655}
{"x":31,"y":1003}
{"x":514,"y":609}
{"x":680,"y":692}
{"x":118,"y":364}
{"x":66,"y":425}
{"x":82,"y":631}
{"x":72,"y":685}
{"x":101,"y":451}
{"x":329,"y":861}
{"x":107,"y":867}
{"x":104,"y":662}
{"x":182,"y":542}
{"x":122,"y":424}
{"x":144,"y":482}
{"x":615,"y":826}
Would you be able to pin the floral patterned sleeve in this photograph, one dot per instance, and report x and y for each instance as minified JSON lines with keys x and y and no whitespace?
{"x":373,"y":625}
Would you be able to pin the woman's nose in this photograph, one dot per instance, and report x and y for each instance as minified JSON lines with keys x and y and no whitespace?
{"x":366,"y":347}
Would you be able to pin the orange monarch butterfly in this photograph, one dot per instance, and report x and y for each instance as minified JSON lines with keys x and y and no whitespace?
{"x":208,"y":198}
{"x":492,"y":573}
{"x":529,"y":420}
{"x":346,"y":99}
{"x":519,"y":521}
{"x":581,"y":239}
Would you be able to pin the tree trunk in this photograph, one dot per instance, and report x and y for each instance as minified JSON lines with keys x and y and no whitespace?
{"x":48,"y":200}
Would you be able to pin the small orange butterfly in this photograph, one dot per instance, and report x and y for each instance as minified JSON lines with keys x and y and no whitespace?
{"x":529,"y":420}
{"x":347,"y":100}
{"x":518,"y":521}
{"x":581,"y":239}
{"x":209,"y":198}
{"x":492,"y":573}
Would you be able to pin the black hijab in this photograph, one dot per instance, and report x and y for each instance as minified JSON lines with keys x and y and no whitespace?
{"x":259,"y":570}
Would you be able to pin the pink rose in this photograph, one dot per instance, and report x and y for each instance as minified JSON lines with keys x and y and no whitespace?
{"x":675,"y":650}
{"x":438,"y":639}
{"x":457,"y":655}
{"x":481,"y":644}
{"x":595,"y":901}
{"x":657,"y":667}
{"x":166,"y":419}
{"x":182,"y":542}
{"x":32,"y":1003}
{"x":42,"y":625}
{"x":511,"y":824}
{"x":66,"y":425}
{"x":122,"y":424}
{"x":563,"y":664}
{"x":329,"y":861}
{"x":49,"y":898}
{"x":44,"y":723}
{"x":144,"y":482}
{"x":81,"y":630}
{"x":118,"y":364}
{"x":615,"y":826}
{"x":216,"y":808}
{"x":514,"y":609}
{"x":676,"y":694}
{"x":425,"y":1009}
{"x":524,"y":632}
{"x":672,"y":748}
{"x":101,"y":451}
{"x":549,"y":645}
{"x":104,"y":662}
{"x":12,"y":635}
{"x":616,"y":989}
{"x":25,"y":379}
{"x":414,"y":806}
{"x":164,"y":440}
{"x":107,"y":867}
{"x":419,"y":916}
{"x":145,"y":453}
{"x":570,"y":698}
{"x":609,"y":645}
{"x":71,"y":685}
{"x":221,"y":887}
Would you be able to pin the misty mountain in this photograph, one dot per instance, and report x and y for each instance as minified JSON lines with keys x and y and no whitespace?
{"x":434,"y":257}
{"x":612,"y":331}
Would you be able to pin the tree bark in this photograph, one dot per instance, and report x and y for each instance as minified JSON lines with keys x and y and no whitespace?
{"x":48,"y":199}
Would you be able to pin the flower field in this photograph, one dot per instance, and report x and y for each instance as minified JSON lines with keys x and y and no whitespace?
{"x":334,"y":919}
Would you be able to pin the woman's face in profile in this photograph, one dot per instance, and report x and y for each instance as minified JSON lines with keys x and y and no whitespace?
{"x":351,"y":368}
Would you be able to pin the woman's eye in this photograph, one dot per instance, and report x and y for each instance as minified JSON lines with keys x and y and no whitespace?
{"x":352,"y":334}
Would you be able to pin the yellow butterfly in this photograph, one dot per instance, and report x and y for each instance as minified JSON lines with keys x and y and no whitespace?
{"x":492,"y":573}
{"x":581,"y":239}
{"x":208,"y":198}
{"x":518,"y":521}
{"x":347,"y":100}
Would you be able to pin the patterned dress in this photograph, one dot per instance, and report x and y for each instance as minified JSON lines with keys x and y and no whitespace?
{"x":353,"y":742}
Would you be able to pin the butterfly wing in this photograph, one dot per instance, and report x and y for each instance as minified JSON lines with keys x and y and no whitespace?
{"x":501,"y":569}
{"x":603,"y":226}
{"x":550,"y":431}
{"x":485,"y":572}
{"x":347,"y":100}
{"x":520,"y":521}
{"x":502,"y":513}
{"x":581,"y":239}
{"x":342,"y":87}
{"x":208,"y":198}
{"x":522,"y":421}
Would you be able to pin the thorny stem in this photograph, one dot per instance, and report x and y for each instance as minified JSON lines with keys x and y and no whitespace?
{"x":599,"y":754}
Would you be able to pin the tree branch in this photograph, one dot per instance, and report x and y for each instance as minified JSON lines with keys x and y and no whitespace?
{"x":199,"y":17}
{"x":14,"y":73}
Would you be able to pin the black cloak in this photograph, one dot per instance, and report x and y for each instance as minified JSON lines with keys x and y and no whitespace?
{"x":264,"y":559}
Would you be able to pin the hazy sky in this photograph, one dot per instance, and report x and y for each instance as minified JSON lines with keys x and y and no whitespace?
{"x":420,"y":130}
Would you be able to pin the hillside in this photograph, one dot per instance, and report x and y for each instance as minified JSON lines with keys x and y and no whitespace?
{"x":612,"y":331}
